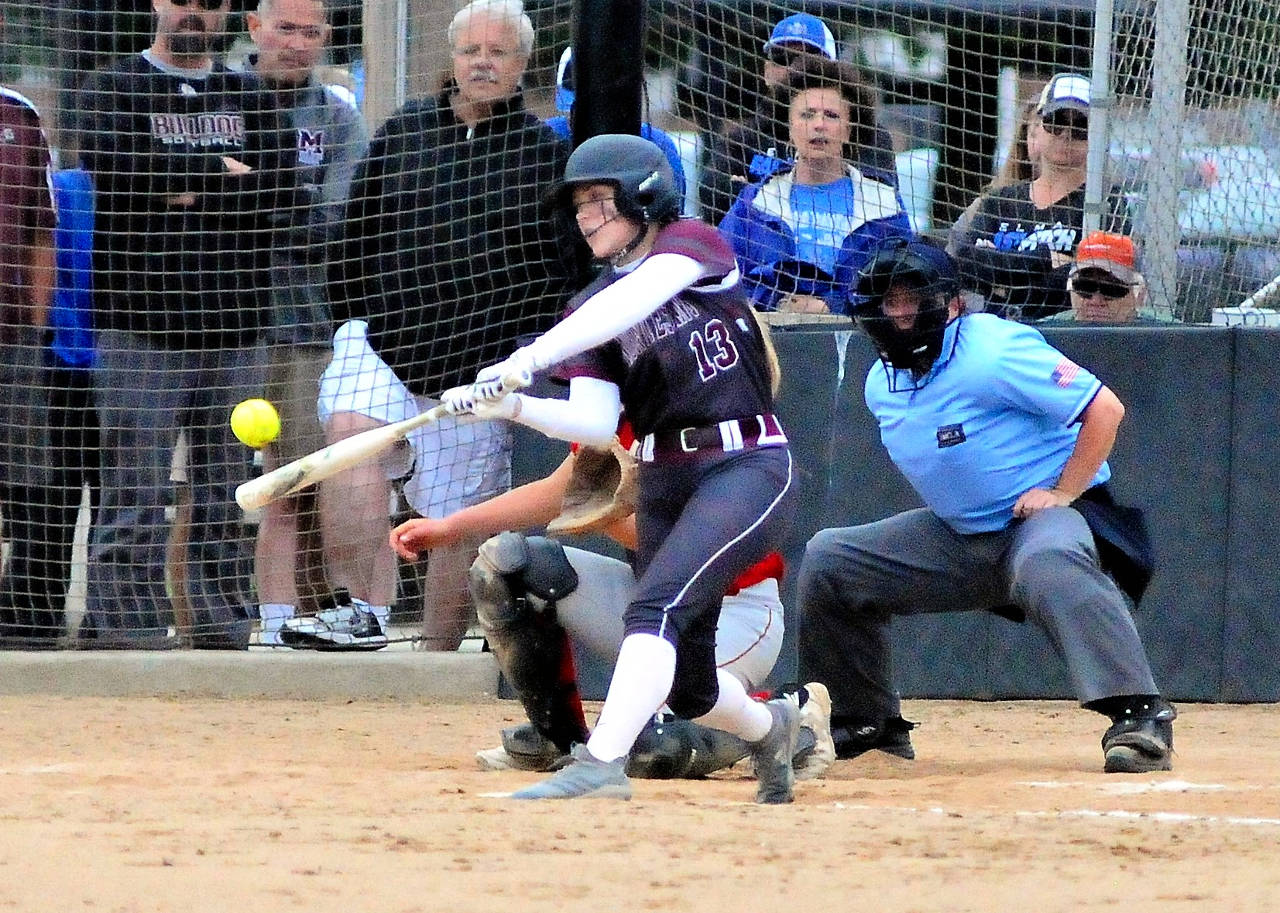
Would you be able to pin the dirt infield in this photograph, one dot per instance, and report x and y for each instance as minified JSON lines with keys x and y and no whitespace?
{"x":197,"y":805}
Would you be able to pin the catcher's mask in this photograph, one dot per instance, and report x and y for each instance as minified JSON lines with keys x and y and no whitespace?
{"x":907,"y":327}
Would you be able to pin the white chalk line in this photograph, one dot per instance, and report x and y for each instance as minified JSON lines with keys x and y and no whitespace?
{"x":1120,"y":814}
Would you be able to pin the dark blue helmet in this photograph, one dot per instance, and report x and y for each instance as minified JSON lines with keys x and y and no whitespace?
{"x":925,"y":269}
{"x":639,"y":169}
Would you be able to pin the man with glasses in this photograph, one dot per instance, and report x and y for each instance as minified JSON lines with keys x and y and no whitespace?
{"x":741,"y":153}
{"x":193,"y":174}
{"x":1106,"y":287}
{"x":446,"y":259}
{"x":1022,"y":240}
{"x":290,"y":37}
{"x":1005,"y":440}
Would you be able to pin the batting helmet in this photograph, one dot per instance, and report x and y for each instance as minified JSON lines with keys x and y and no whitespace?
{"x":928,"y":271}
{"x":646,"y":185}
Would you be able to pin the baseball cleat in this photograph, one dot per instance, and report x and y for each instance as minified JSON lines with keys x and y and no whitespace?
{"x":350,"y":627}
{"x":774,"y":775}
{"x":523,"y":748}
{"x":892,"y":736}
{"x":1140,"y":742}
{"x":585,"y":777}
{"x":815,"y":716}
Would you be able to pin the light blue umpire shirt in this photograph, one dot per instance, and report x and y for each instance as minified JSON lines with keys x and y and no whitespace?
{"x":997,"y":416}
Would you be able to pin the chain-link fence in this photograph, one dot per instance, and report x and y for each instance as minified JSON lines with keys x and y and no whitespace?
{"x":381,"y":173}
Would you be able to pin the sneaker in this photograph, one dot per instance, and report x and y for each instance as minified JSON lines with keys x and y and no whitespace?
{"x":523,"y":748}
{"x":585,"y":777}
{"x":350,"y":627}
{"x":892,"y":736}
{"x":815,"y":716}
{"x":774,"y":774}
{"x":1141,"y":741}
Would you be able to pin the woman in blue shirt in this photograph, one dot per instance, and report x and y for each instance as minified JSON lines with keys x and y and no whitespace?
{"x":801,"y":235}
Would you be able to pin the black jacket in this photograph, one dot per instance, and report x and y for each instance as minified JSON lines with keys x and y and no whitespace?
{"x":448,"y":251}
{"x":192,"y":276}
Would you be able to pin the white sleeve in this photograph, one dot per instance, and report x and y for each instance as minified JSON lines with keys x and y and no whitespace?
{"x":616,"y":308}
{"x":589,"y":416}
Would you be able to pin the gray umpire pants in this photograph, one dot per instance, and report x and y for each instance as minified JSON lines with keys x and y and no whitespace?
{"x":145,"y":393}
{"x":853,"y":580}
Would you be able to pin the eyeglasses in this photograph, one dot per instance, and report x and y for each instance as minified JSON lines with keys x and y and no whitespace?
{"x":207,"y":5}
{"x":1076,"y":127}
{"x":1088,"y":288}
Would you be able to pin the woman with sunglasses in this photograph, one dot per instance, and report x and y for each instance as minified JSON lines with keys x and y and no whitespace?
{"x":1020,"y":245}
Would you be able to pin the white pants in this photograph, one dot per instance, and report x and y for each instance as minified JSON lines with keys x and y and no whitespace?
{"x":449,"y":464}
{"x":748,"y":637}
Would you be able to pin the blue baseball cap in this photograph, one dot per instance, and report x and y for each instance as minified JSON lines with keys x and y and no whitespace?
{"x":806,"y":29}
{"x":565,"y":92}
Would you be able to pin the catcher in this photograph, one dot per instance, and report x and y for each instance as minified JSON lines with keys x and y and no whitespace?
{"x":538,"y":601}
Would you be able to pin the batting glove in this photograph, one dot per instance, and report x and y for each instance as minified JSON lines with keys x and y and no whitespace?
{"x":496,"y":381}
{"x":458,"y":400}
{"x":463,"y":401}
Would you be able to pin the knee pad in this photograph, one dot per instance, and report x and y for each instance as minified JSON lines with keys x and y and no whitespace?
{"x":515,"y":581}
{"x":680,"y":749}
{"x":514,"y":574}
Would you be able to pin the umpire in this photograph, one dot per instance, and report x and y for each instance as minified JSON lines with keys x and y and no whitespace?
{"x":1005,"y":440}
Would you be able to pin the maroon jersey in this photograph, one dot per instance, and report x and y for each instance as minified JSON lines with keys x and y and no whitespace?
{"x":26,"y":203}
{"x":698,"y":359}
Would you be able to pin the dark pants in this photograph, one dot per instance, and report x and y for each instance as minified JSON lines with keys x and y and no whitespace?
{"x":145,"y":393}
{"x":854,"y":580}
{"x":35,"y":591}
{"x":701,"y":523}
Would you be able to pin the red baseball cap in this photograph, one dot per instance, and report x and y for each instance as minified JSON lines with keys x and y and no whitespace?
{"x":1110,"y":253}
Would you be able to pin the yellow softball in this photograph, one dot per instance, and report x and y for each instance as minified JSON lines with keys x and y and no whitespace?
{"x":255,"y":422}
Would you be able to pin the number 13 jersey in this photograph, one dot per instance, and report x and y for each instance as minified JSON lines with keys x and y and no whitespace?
{"x":699,"y":358}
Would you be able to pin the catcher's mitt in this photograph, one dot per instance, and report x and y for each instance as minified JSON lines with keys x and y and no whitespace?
{"x":600,"y":491}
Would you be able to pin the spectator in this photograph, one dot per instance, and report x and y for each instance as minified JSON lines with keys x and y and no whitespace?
{"x":801,"y":235}
{"x":190,"y":165}
{"x":746,"y":152}
{"x":74,"y":456}
{"x":30,"y":614}
{"x":1105,"y":285}
{"x":1021,"y":164}
{"x":1019,"y":247}
{"x":458,"y":181}
{"x":1005,"y":440}
{"x":566,"y":93}
{"x":290,"y":36}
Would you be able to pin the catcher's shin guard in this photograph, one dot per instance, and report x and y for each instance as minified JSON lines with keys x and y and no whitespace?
{"x":670,"y":749}
{"x":515,"y":582}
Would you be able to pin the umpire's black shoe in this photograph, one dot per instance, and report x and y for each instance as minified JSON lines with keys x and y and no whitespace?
{"x":1140,"y":740}
{"x":892,"y":736}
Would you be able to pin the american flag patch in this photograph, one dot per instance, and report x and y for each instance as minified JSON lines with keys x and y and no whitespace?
{"x":1065,"y":372}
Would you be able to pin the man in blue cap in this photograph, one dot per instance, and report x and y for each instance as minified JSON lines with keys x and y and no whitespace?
{"x":566,"y":92}
{"x":745,"y":152}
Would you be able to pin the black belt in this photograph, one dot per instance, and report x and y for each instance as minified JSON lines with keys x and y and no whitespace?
{"x":724,"y":437}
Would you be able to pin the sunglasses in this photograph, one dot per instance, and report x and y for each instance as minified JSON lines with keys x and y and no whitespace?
{"x":207,"y":5}
{"x":784,"y":57}
{"x":1076,"y":127}
{"x":1088,"y":288}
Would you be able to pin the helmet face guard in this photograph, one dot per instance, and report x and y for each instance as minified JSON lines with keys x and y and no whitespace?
{"x":906,"y":342}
